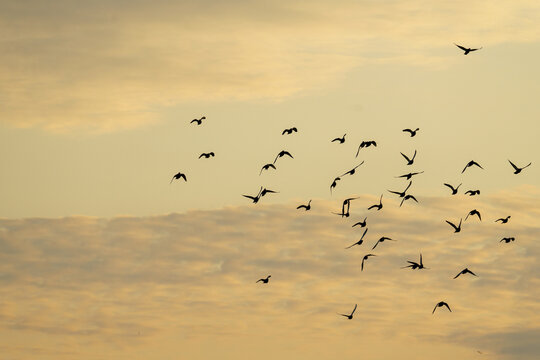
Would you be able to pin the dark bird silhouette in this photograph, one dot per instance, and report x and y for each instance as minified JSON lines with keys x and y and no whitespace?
{"x":264,"y":281}
{"x":517,"y":170}
{"x":347,"y":204}
{"x":364,"y":259}
{"x":334,"y":183}
{"x":382,"y":239}
{"x":364,"y":144}
{"x":351,"y":315}
{"x":440,"y":304}
{"x":409,"y":175}
{"x":411,"y":160}
{"x":467,"y":50}
{"x":414,"y":265}
{"x":289,"y":131}
{"x":266,"y":167}
{"x":454,"y":190}
{"x":342,"y":213}
{"x":306,"y":207}
{"x":353,"y":170}
{"x":456,"y":228}
{"x":267,"y":191}
{"x":412,"y":132}
{"x":255,"y":199}
{"x":207,"y":155}
{"x":283,"y":153}
{"x":465,"y":271}
{"x":472,"y":192}
{"x":407,"y":197}
{"x":179,"y":176}
{"x":471,"y":163}
{"x":508,"y":239}
{"x":504,"y":220}
{"x":361,"y":223}
{"x":402,"y":193}
{"x":473,"y":212}
{"x":359,"y":242}
{"x":377,"y":206}
{"x":341,"y":139}
{"x":198,"y":121}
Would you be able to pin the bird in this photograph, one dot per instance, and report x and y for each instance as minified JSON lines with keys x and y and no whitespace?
{"x":471,"y":163}
{"x":341,"y":139}
{"x":289,"y":131}
{"x":472,"y":192}
{"x":412,"y":132}
{"x":361,"y":223}
{"x":508,"y":239}
{"x":474,"y":212}
{"x":283,"y":153}
{"x":347,"y":203}
{"x":377,"y":206}
{"x":407,"y":197}
{"x":342,"y":213}
{"x":467,"y":50}
{"x":306,"y":207}
{"x":382,"y":239}
{"x":264,"y":281}
{"x":402,"y":193}
{"x":364,"y":144}
{"x":517,"y":170}
{"x":364,"y":259}
{"x":207,"y":155}
{"x":179,"y":176}
{"x":440,"y":304}
{"x":266,"y":191}
{"x":198,"y":121}
{"x":414,"y":265}
{"x":456,"y":228}
{"x":504,"y":220}
{"x":465,"y":271}
{"x":255,"y":199}
{"x":454,"y":190}
{"x":409,"y":175}
{"x":351,"y":315}
{"x":353,"y":170}
{"x":411,"y":160}
{"x":359,"y":242}
{"x":334,"y":183}
{"x":266,"y":167}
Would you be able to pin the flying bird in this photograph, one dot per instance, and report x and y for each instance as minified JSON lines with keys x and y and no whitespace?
{"x":377,"y":206}
{"x":179,"y":176}
{"x":467,"y":50}
{"x":359,"y":242}
{"x":508,"y":239}
{"x":517,"y":170}
{"x":255,"y":199}
{"x":283,"y":153}
{"x":267,"y":191}
{"x":454,"y":190}
{"x":306,"y":207}
{"x":409,"y":175}
{"x":407,"y":197}
{"x":353,"y":170}
{"x":361,"y":223}
{"x":472,"y":213}
{"x":364,"y":144}
{"x":456,"y":228}
{"x":264,"y":281}
{"x":351,"y":315}
{"x":347,"y":203}
{"x":266,"y":167}
{"x":382,"y":239}
{"x":364,"y":259}
{"x":465,"y":271}
{"x":341,"y":139}
{"x":441,"y":304}
{"x":334,"y":183}
{"x":207,"y":155}
{"x":472,"y":192}
{"x":289,"y":131}
{"x":412,"y":132}
{"x":402,"y":193}
{"x":471,"y":163}
{"x":414,"y":265}
{"x":411,"y":160}
{"x":504,"y":220}
{"x":198,"y":121}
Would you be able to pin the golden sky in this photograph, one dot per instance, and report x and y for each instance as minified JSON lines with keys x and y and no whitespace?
{"x":100,"y":257}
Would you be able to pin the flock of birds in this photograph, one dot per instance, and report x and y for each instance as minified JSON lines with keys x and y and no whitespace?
{"x":403,"y":195}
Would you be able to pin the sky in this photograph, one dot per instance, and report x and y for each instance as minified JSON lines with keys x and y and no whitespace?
{"x":101,"y":256}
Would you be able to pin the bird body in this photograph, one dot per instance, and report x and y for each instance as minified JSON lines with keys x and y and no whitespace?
{"x":402,"y":193}
{"x":471,"y":163}
{"x":377,"y":206}
{"x":456,"y":228}
{"x":466,"y":50}
{"x":266,"y":167}
{"x":504,"y":220}
{"x":364,"y":259}
{"x":440,"y":304}
{"x":407,"y":197}
{"x":361,"y":223}
{"x":289,"y":131}
{"x":351,"y":314}
{"x":353,"y":170}
{"x":341,"y":140}
{"x":364,"y":144}
{"x":306,"y":207}
{"x":454,"y":190}
{"x":382,"y":239}
{"x":411,"y":160}
{"x":283,"y":153}
{"x":474,"y":212}
{"x":264,"y":280}
{"x":465,"y":271}
{"x":517,"y":170}
{"x":409,"y":175}
{"x":508,"y":239}
{"x":178,"y":176}
{"x":411,"y":132}
{"x":198,"y":121}
{"x":472,"y":192}
{"x":207,"y":155}
{"x":359,"y":242}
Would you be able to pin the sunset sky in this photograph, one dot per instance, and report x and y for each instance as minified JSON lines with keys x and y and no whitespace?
{"x":102,"y":258}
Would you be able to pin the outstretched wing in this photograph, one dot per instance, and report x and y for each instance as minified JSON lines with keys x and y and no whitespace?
{"x":461,"y":47}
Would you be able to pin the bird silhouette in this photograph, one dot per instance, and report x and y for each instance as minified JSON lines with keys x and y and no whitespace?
{"x":351,"y":315}
{"x":341,"y":140}
{"x":411,"y":160}
{"x":456,"y":228}
{"x":264,"y":281}
{"x":465,"y":271}
{"x":266,"y":167}
{"x":473,"y":212}
{"x":467,"y":50}
{"x":407,"y":197}
{"x":441,"y":304}
{"x":267,"y":191}
{"x":353,"y":170}
{"x":359,"y":242}
{"x":382,"y":239}
{"x":471,"y":163}
{"x":178,"y":176}
{"x":364,"y":259}
{"x":334,"y":183}
{"x":377,"y":206}
{"x":454,"y":190}
{"x":472,"y":192}
{"x":283,"y":153}
{"x":411,"y":132}
{"x":504,"y":220}
{"x":414,"y":265}
{"x":364,"y":144}
{"x":347,"y":204}
{"x":289,"y":131}
{"x":255,"y":199}
{"x":306,"y":207}
{"x":361,"y":223}
{"x":207,"y":155}
{"x":517,"y":170}
{"x":198,"y":121}
{"x":508,"y":239}
{"x":402,"y":193}
{"x":409,"y":175}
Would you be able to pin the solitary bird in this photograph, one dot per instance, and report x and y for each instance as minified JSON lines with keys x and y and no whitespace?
{"x":341,"y":139}
{"x":264,"y":281}
{"x":467,"y":50}
{"x":508,"y":239}
{"x":440,"y":304}
{"x":359,"y":242}
{"x":411,"y":160}
{"x":504,"y":220}
{"x":353,"y":170}
{"x":471,"y":163}
{"x":377,"y":206}
{"x":456,"y":228}
{"x":266,"y":167}
{"x":351,"y":315}
{"x":364,"y":259}
{"x":402,"y":193}
{"x":179,"y":176}
{"x":517,"y":170}
{"x":283,"y":153}
{"x":465,"y":271}
{"x":361,"y":223}
{"x":472,"y":192}
{"x":474,"y":212}
{"x":198,"y":121}
{"x":306,"y":207}
{"x":407,"y":197}
{"x":454,"y":190}
{"x":414,"y":265}
{"x":382,"y":239}
{"x":207,"y":155}
{"x":412,"y":132}
{"x":364,"y":144}
{"x":289,"y":131}
{"x":409,"y":175}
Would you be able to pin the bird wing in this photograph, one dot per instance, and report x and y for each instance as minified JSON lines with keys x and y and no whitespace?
{"x":414,"y":155}
{"x":402,"y":200}
{"x":405,"y":156}
{"x":477,"y":164}
{"x":365,"y":231}
{"x":355,"y":305}
{"x":445,"y":304}
{"x":301,"y":206}
{"x":435,"y":308}
{"x":461,"y":47}
{"x":465,"y":168}
{"x":288,"y":154}
{"x":183,"y":176}
{"x":454,"y":226}
{"x":284,"y":132}
{"x":450,"y":186}
{"x":513,"y":165}
{"x":412,"y":197}
{"x":408,"y":130}
{"x":358,"y":151}
{"x":362,"y":268}
{"x":378,"y":241}
{"x":408,"y":186}
{"x":475,"y":49}
{"x":356,"y":243}
{"x":461,"y":272}
{"x":470,"y":272}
